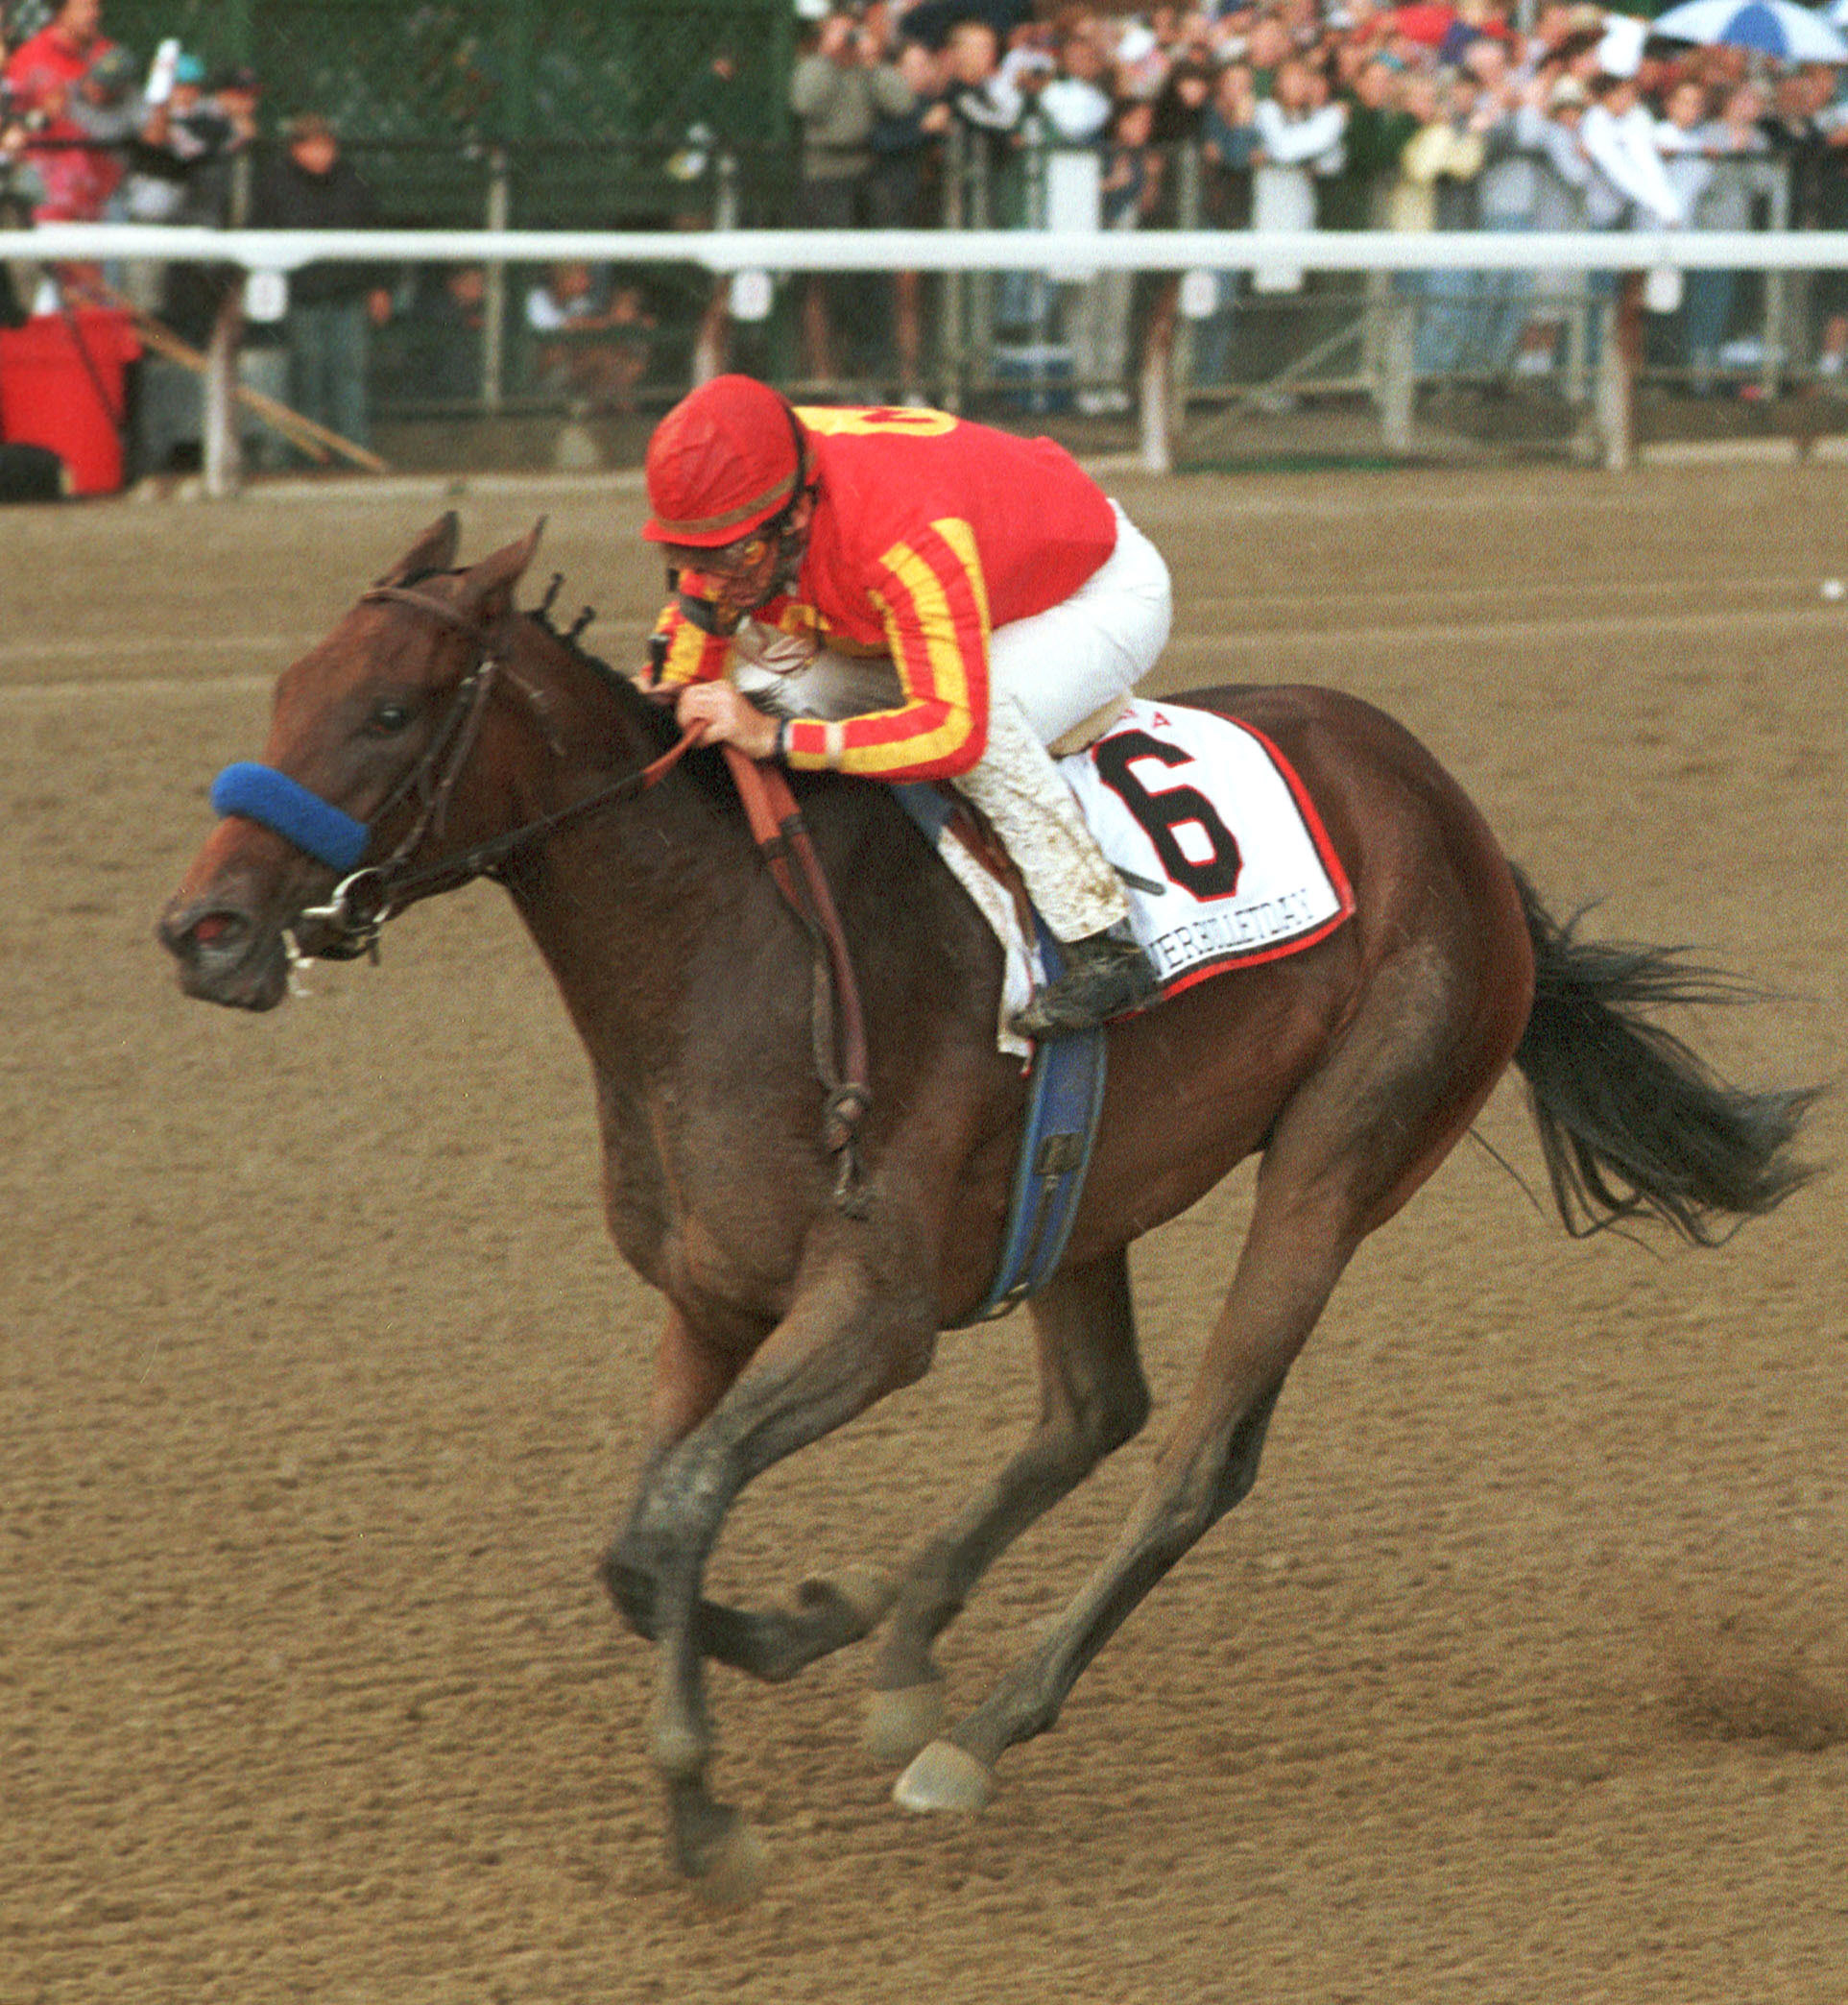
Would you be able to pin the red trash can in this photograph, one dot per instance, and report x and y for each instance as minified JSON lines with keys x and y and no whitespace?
{"x":69,"y":398}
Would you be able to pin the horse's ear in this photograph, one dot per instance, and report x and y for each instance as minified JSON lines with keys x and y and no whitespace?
{"x":488,"y":591}
{"x":435,"y":550}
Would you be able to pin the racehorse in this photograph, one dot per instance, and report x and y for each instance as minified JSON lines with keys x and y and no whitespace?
{"x":444,"y":735}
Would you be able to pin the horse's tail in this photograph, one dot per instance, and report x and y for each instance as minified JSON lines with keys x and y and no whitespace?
{"x":1630,"y":1118}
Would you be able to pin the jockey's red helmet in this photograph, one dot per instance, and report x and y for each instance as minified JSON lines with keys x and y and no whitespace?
{"x":726,"y":458}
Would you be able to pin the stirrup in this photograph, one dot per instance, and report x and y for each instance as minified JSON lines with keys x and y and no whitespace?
{"x":1105,"y":977}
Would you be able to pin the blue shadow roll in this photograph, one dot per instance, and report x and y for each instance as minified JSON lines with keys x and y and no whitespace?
{"x":261,"y":794}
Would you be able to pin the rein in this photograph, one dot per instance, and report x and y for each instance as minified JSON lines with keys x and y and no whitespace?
{"x":366,"y":898}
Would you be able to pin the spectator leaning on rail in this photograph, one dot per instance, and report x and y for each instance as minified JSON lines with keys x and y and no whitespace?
{"x":1438,"y":172}
{"x":1300,"y":133}
{"x":797,"y":541}
{"x":181,"y":165}
{"x":838,"y":91}
{"x":1703,"y":156}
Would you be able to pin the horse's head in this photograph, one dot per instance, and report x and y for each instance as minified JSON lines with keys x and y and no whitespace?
{"x":369,"y":734}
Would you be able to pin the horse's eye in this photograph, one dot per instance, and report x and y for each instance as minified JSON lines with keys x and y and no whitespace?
{"x":387,"y":718}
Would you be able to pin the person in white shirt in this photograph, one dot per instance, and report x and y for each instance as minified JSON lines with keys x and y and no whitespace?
{"x":1300,"y":133}
{"x":1629,"y":185}
{"x":1701,"y":155}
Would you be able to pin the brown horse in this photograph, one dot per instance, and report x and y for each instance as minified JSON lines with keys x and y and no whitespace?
{"x":458,"y":736}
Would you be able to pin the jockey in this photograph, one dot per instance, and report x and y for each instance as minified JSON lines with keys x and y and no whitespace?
{"x":904,"y":595}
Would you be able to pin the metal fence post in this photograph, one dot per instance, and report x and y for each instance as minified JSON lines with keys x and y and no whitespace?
{"x":1787,"y":294}
{"x":710,"y":341}
{"x":1396,"y":380}
{"x":1188,"y":204}
{"x":1620,"y":354}
{"x":1156,"y":398}
{"x":981,"y":284}
{"x":223,"y":453}
{"x":1037,"y":137}
{"x":952,"y":297}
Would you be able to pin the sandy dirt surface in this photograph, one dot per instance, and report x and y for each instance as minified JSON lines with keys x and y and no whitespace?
{"x":1522,"y":1676}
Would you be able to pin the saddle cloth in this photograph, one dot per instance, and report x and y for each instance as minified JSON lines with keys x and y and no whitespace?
{"x":1221,"y":852}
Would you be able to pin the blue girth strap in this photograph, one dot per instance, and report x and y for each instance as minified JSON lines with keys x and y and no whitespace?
{"x":259,"y":793}
{"x":1064,"y":1096}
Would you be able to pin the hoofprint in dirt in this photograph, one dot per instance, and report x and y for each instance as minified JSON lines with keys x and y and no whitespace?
{"x":312,"y":1684}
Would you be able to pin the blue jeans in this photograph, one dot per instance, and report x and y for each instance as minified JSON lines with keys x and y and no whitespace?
{"x":1503,"y":303}
{"x":1446,"y":313}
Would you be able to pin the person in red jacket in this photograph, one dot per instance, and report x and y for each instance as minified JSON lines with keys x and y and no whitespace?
{"x":906,"y":596}
{"x":45,"y":76}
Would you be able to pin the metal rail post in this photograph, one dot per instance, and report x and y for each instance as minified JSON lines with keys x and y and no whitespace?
{"x":711,"y":343}
{"x":1156,"y":390}
{"x":493,"y":298}
{"x":952,"y":297}
{"x":224,"y":451}
{"x":1397,"y":382}
{"x":1620,"y":357}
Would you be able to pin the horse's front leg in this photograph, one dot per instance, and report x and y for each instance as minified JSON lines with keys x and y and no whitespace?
{"x":694,"y":1369}
{"x":851,"y":1335}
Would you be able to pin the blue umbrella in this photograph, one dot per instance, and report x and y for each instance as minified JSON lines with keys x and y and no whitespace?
{"x":1775,"y":28}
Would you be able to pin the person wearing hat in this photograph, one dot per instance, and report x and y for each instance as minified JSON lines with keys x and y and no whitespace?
{"x":910,"y":597}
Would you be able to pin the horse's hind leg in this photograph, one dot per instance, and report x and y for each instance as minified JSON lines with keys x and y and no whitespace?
{"x":1092,"y":1399}
{"x":1350,"y":1146}
{"x":1289,"y":1266}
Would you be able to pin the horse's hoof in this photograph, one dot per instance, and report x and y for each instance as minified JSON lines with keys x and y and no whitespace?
{"x":942,"y":1777}
{"x":735,"y":1870}
{"x":865,"y":1592}
{"x":900,"y":1724}
{"x":721,"y":1857}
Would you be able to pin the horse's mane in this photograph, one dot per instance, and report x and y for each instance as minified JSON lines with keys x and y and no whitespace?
{"x":656,"y":719}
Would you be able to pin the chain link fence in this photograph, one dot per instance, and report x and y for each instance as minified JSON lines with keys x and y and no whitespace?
{"x":488,"y":71}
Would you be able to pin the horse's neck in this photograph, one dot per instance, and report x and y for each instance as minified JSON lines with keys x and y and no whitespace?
{"x":619,"y":903}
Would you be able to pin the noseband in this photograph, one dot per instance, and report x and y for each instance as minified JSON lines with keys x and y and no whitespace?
{"x":366,"y":897}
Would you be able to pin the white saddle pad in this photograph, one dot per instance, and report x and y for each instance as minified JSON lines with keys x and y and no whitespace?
{"x":1220,"y":849}
{"x":1223,"y":855}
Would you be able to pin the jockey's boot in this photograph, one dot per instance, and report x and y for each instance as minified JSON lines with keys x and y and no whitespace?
{"x":1036,"y":814}
{"x":1105,"y":976}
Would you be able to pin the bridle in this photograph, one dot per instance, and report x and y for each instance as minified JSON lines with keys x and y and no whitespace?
{"x":366,"y":898}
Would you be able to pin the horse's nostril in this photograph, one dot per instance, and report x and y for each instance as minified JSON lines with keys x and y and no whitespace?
{"x":213,"y":933}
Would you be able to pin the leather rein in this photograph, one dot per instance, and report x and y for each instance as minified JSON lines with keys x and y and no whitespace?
{"x":364,"y":899}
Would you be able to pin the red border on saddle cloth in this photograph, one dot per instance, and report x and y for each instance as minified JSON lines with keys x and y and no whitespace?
{"x":1281,"y":950}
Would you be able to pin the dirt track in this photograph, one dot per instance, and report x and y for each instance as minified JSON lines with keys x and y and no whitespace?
{"x":1522,"y":1676}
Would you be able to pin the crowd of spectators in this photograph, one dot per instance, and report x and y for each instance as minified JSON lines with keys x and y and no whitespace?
{"x":1333,"y":113}
{"x":87,"y":134}
{"x":1283,"y":115}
